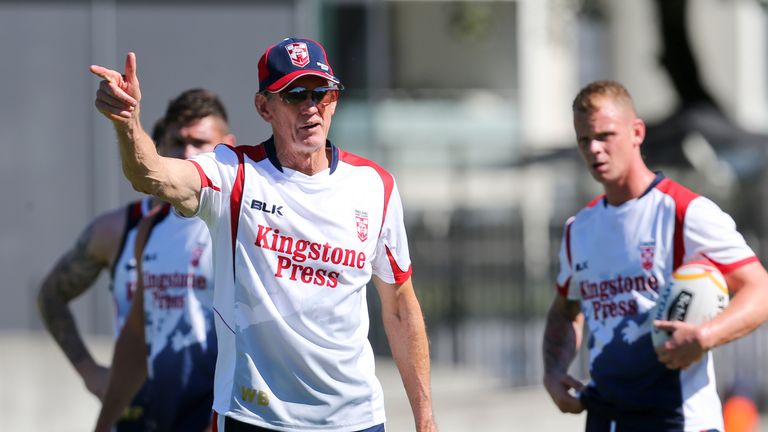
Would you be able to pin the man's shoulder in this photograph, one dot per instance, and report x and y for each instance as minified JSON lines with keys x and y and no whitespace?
{"x":676,"y":191}
{"x":360,"y":161}
{"x":105,"y":232}
{"x":592,"y":207}
{"x":113,"y":222}
{"x":231,"y":155}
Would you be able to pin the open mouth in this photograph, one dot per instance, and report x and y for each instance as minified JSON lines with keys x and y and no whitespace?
{"x":310,"y":126}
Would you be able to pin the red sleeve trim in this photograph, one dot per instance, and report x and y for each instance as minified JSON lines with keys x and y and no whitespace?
{"x":400,"y":275}
{"x":205,"y":182}
{"x":727,"y":268}
{"x":256,"y":153}
{"x":682,"y":198}
{"x":563,"y":289}
{"x":235,"y":201}
{"x":595,"y":200}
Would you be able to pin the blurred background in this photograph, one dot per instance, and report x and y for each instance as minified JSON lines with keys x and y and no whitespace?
{"x":467,"y":103}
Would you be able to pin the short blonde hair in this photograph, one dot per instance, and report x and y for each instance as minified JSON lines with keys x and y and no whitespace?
{"x":587,"y":99}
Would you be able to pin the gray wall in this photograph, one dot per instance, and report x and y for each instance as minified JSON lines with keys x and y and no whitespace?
{"x":58,"y":160}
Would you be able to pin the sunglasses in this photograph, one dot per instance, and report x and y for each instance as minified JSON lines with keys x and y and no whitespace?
{"x":319,"y":95}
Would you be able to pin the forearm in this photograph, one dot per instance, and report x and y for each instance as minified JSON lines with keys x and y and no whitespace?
{"x":745,"y":313}
{"x":172,"y":180}
{"x":72,"y":275}
{"x":128,"y":374}
{"x":410,"y":349}
{"x":562,"y":338}
{"x":60,"y":322}
{"x":140,"y":161}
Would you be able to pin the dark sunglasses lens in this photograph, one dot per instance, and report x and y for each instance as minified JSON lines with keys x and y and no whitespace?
{"x":324,"y":95}
{"x":295,"y":97}
{"x":321,"y":95}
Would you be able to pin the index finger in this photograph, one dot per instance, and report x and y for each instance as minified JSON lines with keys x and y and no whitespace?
{"x":106,"y":74}
{"x":664,"y":325}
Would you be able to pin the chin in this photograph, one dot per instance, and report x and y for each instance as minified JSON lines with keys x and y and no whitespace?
{"x":314,"y":141}
{"x":600,"y":177}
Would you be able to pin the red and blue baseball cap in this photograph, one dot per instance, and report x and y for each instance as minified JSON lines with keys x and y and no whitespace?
{"x":290,"y":59}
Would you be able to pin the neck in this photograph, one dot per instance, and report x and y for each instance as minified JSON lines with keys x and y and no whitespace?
{"x":308,"y":162}
{"x":634,"y":184}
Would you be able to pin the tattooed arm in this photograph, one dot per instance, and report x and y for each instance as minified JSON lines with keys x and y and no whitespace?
{"x":562,"y":338}
{"x":73,"y":274}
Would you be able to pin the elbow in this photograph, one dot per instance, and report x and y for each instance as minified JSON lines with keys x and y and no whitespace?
{"x":144,"y":185}
{"x":45,"y":296}
{"x":140,"y":187}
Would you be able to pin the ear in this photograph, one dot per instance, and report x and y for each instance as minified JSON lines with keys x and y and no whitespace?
{"x":261,"y":102}
{"x":638,"y":129}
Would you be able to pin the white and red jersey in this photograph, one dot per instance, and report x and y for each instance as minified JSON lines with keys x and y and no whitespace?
{"x":292,"y":257}
{"x":613,"y":259}
{"x":177,"y":277}
{"x":123,"y":271}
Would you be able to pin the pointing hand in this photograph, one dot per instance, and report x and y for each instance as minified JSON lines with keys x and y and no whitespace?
{"x":119,"y":94}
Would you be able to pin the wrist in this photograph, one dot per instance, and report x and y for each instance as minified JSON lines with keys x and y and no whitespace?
{"x":85,"y":366}
{"x":706,"y":337}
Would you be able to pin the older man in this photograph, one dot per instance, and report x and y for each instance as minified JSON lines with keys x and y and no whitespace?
{"x":299,"y":227}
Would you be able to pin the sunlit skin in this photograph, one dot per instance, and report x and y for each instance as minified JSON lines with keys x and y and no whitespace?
{"x":609,"y":139}
{"x":301,"y":130}
{"x":197,"y":137}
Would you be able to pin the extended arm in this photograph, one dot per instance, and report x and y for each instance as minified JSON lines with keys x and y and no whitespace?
{"x":172,"y":180}
{"x":407,"y":336}
{"x":75,"y":273}
{"x":746,"y":311}
{"x":129,"y":366}
{"x":562,"y":339}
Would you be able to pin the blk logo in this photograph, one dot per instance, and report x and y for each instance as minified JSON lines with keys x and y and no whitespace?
{"x":267,"y":208}
{"x":582,"y":266}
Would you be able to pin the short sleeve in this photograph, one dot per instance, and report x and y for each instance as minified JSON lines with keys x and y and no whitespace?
{"x":392,"y":261}
{"x":711,"y":233}
{"x":565,"y":273}
{"x":218,"y":172}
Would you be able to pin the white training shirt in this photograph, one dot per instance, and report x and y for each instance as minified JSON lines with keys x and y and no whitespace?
{"x":614,"y":259}
{"x":178,"y":290}
{"x":292,"y":257}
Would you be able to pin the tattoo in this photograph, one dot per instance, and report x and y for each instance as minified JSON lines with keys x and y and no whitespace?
{"x":560,"y":338}
{"x":74,"y":273}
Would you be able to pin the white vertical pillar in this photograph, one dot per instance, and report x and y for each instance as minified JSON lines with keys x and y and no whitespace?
{"x":547,"y":72}
{"x":105,"y":159}
{"x":751,"y":50}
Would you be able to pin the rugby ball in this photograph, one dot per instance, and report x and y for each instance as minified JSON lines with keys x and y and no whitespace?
{"x":696,"y":293}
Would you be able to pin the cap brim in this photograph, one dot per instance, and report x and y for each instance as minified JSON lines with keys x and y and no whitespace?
{"x":283,"y":82}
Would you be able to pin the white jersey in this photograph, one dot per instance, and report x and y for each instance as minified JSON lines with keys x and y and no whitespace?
{"x":293,"y":255}
{"x":123,"y":272}
{"x":613,"y":259}
{"x":178,"y":286}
